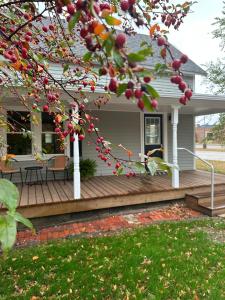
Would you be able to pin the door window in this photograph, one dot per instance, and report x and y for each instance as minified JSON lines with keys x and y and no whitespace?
{"x":152,"y":131}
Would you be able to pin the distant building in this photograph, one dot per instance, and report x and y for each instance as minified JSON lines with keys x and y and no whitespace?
{"x":203,"y":132}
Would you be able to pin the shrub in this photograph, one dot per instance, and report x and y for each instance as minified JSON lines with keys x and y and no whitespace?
{"x":87,"y":168}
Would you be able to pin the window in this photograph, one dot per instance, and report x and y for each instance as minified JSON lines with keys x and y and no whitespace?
{"x":152,"y":131}
{"x":50,"y":140}
{"x":18,"y":136}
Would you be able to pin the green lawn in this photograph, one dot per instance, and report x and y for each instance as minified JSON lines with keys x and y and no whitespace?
{"x":176,"y":260}
{"x":219,"y":166}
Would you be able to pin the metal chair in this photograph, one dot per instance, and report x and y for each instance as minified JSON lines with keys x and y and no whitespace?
{"x":58,"y":164}
{"x":8,"y":169}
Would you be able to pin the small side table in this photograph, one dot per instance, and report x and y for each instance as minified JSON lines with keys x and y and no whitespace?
{"x":36,"y":169}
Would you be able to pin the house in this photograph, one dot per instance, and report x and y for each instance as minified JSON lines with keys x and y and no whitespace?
{"x":203,"y":133}
{"x":172,"y":126}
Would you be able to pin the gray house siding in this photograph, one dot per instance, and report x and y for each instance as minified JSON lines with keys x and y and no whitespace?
{"x":124,"y":128}
{"x":162,"y":84}
{"x":120,"y":128}
{"x":185,"y":139}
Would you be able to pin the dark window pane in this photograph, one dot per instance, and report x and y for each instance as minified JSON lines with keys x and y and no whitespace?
{"x":51,"y":143}
{"x":47,"y":122}
{"x":18,"y":121}
{"x":18,"y":144}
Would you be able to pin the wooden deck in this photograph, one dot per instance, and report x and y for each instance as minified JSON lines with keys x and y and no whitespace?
{"x":56,"y":198}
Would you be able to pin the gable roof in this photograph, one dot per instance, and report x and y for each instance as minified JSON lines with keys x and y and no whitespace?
{"x":133,"y":43}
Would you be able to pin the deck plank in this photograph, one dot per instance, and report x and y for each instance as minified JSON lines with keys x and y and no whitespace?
{"x":31,"y":195}
{"x":24,"y":195}
{"x":46,"y":193}
{"x":66,"y":189}
{"x":90,"y":191}
{"x":103,"y":187}
{"x":60,"y":191}
{"x":54,"y":194}
{"x":39,"y":194}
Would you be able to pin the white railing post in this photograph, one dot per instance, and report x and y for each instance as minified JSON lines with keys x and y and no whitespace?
{"x":76,"y":159}
{"x":175,"y":170}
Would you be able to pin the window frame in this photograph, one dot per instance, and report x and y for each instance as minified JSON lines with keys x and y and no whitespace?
{"x":47,"y":155}
{"x":19,"y":110}
{"x":160,"y":130}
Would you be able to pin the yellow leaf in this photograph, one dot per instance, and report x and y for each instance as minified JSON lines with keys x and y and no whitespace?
{"x":99,"y":29}
{"x":104,"y":36}
{"x":17,"y":65}
{"x":35,"y":257}
{"x":154,"y":28}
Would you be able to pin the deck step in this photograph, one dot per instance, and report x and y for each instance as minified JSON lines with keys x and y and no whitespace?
{"x":202,"y":202}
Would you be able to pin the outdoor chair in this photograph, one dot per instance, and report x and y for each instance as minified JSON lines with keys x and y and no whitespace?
{"x":10,"y":168}
{"x":58,"y":164}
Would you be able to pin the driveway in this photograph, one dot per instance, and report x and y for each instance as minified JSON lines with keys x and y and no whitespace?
{"x":211,"y":155}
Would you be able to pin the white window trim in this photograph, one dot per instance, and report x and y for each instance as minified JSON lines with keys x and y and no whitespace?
{"x":36,"y":131}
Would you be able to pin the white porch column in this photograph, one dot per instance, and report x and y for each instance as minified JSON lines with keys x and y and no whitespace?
{"x":76,"y":160}
{"x":175,"y":171}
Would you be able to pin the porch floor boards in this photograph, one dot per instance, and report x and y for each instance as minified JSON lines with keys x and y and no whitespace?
{"x":55,"y":197}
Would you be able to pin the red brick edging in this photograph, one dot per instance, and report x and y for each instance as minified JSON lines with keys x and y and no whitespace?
{"x":106,"y":224}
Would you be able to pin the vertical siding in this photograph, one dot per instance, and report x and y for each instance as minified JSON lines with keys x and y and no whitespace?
{"x":119,"y":128}
{"x":185,"y":137}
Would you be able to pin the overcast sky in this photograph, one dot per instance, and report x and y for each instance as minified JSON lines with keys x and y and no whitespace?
{"x":194,"y":36}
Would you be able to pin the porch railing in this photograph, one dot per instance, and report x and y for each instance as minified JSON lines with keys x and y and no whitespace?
{"x":212,"y":173}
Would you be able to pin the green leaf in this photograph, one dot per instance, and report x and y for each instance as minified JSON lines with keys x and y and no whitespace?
{"x":146,"y":51}
{"x":145,"y":73}
{"x":165,"y":167}
{"x":87,"y":56}
{"x":9,"y":194}
{"x":121,"y":88}
{"x":133,"y":57}
{"x":120,"y":170}
{"x":19,"y":218}
{"x":140,"y":167}
{"x":65,"y":68}
{"x":112,"y":21}
{"x":7,"y":232}
{"x":73,"y":21}
{"x":152,"y":166}
{"x":152,"y":91}
{"x":108,"y":45}
{"x":160,"y":68}
{"x":140,"y":55}
{"x":117,"y":58}
{"x":144,"y":43}
{"x":147,"y":103}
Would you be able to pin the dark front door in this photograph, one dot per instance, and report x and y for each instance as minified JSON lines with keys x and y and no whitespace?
{"x":153,"y":135}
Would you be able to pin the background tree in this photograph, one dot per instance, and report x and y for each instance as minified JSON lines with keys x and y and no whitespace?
{"x":216,"y":70}
{"x":218,"y":130}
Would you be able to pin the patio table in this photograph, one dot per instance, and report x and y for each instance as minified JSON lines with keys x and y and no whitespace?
{"x":30,"y":170}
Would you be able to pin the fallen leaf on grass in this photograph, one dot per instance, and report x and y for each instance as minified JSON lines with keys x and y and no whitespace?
{"x":35,"y":257}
